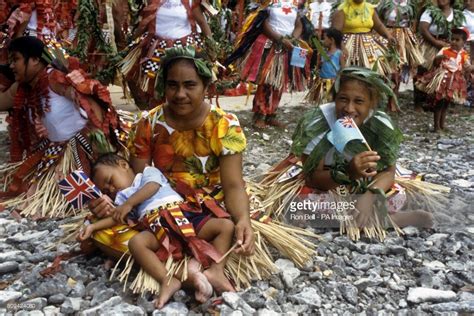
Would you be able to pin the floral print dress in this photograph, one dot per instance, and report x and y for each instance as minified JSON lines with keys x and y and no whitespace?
{"x":190,"y":156}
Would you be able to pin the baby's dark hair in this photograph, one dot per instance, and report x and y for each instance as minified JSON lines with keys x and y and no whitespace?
{"x":336,"y":35}
{"x":110,"y":159}
{"x":460,"y":32}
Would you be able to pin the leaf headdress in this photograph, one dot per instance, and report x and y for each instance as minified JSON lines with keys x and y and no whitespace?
{"x":203,"y":66}
{"x":374,"y":79}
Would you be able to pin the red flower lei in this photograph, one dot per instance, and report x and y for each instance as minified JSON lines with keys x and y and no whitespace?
{"x":29,"y":104}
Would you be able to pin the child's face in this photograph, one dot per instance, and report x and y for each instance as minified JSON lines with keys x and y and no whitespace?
{"x":457,"y":42}
{"x":111,"y":179}
{"x":354,"y":100}
{"x":327,"y":41}
{"x":469,"y":4}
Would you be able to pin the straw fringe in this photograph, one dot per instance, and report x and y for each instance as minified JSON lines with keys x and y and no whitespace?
{"x":47,"y":200}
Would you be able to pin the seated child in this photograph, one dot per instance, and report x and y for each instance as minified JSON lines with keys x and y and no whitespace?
{"x":328,"y":69}
{"x":446,"y":84}
{"x":149,"y":199}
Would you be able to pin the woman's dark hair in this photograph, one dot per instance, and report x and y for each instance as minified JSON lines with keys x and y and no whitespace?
{"x":336,"y":35}
{"x":110,"y":159}
{"x":460,"y":32}
{"x":167,"y":66}
{"x":28,"y":46}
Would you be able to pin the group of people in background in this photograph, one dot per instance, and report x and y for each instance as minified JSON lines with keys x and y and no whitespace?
{"x":351,"y":56}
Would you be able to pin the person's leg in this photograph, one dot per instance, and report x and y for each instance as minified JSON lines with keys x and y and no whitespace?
{"x":142,"y":247}
{"x":413,"y":218}
{"x":437,"y":116}
{"x":219,"y":232}
{"x":275,"y":99}
{"x":442,"y":118}
{"x":259,"y":105}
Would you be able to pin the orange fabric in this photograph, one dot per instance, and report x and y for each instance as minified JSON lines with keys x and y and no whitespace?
{"x":188,"y":156}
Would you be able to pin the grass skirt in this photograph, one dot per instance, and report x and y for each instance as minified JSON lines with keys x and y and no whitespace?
{"x":142,"y":62}
{"x":266,"y":62}
{"x":408,"y":47}
{"x":284,"y":184}
{"x":31,"y":185}
{"x":429,"y":53}
{"x":441,"y":84}
{"x":320,"y":92}
{"x":367,"y":50}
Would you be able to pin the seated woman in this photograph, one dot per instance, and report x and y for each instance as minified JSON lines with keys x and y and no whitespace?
{"x":192,"y":142}
{"x":368,"y":173}
{"x":60,"y":120}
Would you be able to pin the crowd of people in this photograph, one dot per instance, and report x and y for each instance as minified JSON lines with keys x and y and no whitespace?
{"x":173,"y":183}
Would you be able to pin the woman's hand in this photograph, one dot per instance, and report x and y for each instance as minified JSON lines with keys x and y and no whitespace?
{"x":101,"y":207}
{"x":244,"y":236}
{"x":365,"y":207}
{"x":121,"y":213}
{"x":287,"y":44}
{"x":392,"y":40}
{"x":363,"y":165}
{"x":440,"y":44}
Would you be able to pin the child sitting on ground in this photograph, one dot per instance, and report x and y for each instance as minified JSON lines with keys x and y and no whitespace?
{"x":149,"y":199}
{"x":328,"y":69}
{"x":446,"y":84}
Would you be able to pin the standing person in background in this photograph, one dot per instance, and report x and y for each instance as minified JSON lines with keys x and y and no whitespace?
{"x":263,"y":56}
{"x":435,"y":27}
{"x":356,"y":19}
{"x":398,"y":16}
{"x":164,"y":24}
{"x":320,"y":11}
{"x":469,"y":25}
{"x":320,"y":91}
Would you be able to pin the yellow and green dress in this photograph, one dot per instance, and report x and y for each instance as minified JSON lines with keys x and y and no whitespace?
{"x":364,"y":47}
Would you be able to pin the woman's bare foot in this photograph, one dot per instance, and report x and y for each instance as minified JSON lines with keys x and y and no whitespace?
{"x":202,"y":287}
{"x":166,"y":291}
{"x":218,"y":280}
{"x":413,"y":218}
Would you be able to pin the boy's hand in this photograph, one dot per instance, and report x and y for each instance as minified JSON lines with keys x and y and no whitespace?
{"x":121,"y":212}
{"x":363,"y":165}
{"x":86,"y":232}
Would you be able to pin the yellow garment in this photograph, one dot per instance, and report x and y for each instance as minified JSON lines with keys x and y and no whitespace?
{"x":357,"y":17}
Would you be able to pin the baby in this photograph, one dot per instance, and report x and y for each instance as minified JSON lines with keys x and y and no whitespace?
{"x":144,"y":197}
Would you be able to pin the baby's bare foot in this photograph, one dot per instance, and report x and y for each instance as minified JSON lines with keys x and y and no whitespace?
{"x":202,"y":287}
{"x":218,"y":280}
{"x":166,"y":291}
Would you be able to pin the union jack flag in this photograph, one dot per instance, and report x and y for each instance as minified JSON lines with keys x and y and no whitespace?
{"x":347,"y":122}
{"x":78,"y":189}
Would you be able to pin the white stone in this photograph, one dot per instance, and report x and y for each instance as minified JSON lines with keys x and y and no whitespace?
{"x":232,"y":299}
{"x":11,"y":255}
{"x":308,"y":296}
{"x":51,"y":311}
{"x":434,"y":265}
{"x":7,"y":296}
{"x":437,"y":237}
{"x":102,"y":308}
{"x":172,"y":309}
{"x":5,"y":222}
{"x":267,"y":312}
{"x":27,"y":236}
{"x":265,"y":136}
{"x":462,"y":183}
{"x":422,"y":294}
{"x":284,"y":264}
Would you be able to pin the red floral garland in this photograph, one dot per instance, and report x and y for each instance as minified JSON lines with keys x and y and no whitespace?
{"x":27,"y":107}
